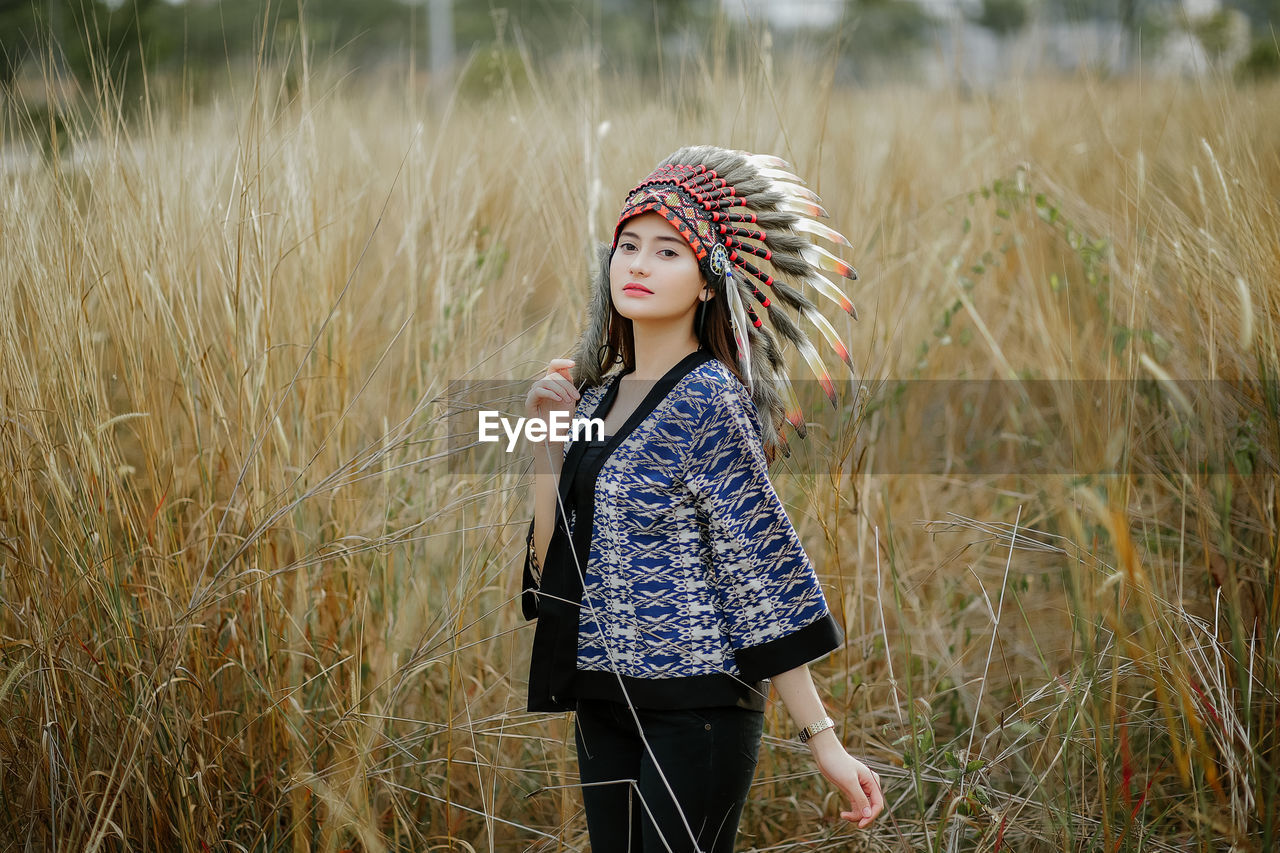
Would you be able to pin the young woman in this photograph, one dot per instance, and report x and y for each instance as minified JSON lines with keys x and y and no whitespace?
{"x":669,"y":586}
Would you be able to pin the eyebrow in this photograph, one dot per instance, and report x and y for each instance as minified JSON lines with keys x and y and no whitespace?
{"x":663,"y":237}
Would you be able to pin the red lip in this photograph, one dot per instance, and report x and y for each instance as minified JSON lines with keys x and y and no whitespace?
{"x":632,"y":286}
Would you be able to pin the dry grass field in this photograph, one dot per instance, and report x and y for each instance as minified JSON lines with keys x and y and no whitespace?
{"x":247,"y":604}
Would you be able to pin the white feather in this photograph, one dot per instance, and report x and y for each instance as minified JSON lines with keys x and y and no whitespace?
{"x":801,"y":207}
{"x":794,"y":191}
{"x":764,"y":161}
{"x":829,"y":290}
{"x":780,"y":175}
{"x":820,"y":230}
{"x":828,"y":332}
{"x":823,"y":259}
{"x":738,"y":319}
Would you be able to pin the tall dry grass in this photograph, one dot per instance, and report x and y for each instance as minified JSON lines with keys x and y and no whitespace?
{"x":246,"y":605}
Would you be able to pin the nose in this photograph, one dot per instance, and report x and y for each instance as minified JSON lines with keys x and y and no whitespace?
{"x":637,"y":264}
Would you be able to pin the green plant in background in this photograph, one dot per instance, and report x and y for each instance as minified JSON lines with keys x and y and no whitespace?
{"x":1262,"y":62}
{"x":1002,"y":17}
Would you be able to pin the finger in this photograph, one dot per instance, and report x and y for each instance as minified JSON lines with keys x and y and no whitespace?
{"x":875,"y":794}
{"x":862,"y":822}
{"x":564,"y":384}
{"x":551,"y":394}
{"x":877,"y":801}
{"x":544,"y":391}
{"x":861,"y":806}
{"x":558,"y":381}
{"x":561,"y":397}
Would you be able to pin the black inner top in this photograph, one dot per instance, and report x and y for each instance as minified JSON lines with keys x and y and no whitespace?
{"x":594,"y":453}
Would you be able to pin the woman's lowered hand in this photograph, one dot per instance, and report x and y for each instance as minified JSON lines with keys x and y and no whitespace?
{"x":860,"y":784}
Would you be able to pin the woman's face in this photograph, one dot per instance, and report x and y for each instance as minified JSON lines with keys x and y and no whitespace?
{"x":654,"y":276}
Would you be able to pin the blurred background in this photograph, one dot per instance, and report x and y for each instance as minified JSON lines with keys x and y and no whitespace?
{"x":936,"y":42}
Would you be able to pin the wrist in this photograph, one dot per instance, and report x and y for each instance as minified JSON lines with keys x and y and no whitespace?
{"x":819,"y":725}
{"x":820,"y":736}
{"x":824,"y":744}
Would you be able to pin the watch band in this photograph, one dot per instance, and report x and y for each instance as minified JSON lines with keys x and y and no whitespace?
{"x":813,"y":728}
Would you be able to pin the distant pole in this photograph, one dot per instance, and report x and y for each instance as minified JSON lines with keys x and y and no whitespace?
{"x":441,"y":23}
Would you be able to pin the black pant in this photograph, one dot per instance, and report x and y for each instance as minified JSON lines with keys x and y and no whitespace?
{"x":707,"y":756}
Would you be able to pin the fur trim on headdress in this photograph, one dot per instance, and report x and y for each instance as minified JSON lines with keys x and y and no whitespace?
{"x":732,"y":206}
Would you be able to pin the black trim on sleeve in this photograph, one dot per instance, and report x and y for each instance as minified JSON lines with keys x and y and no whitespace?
{"x":795,"y":649}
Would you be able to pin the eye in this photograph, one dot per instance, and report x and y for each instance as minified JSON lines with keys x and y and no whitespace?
{"x":669,"y":253}
{"x":627,"y":246}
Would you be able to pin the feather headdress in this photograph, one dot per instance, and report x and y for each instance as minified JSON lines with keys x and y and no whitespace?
{"x":736,"y":209}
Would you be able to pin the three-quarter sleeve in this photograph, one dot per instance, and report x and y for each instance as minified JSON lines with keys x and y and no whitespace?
{"x":766,"y":588}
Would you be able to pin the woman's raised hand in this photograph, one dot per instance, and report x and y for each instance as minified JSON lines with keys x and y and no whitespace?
{"x":554,"y":392}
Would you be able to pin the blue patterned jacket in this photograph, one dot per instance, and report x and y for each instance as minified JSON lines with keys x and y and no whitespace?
{"x":678,"y":581}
